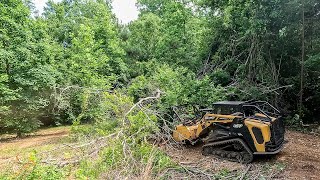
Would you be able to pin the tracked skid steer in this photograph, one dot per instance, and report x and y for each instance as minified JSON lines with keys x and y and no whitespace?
{"x":236,"y":130}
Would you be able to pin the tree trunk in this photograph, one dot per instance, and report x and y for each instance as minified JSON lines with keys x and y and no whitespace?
{"x":302,"y":60}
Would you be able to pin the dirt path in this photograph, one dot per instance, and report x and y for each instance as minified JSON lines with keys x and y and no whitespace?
{"x":300,"y":159}
{"x":40,"y":137}
{"x":12,"y":148}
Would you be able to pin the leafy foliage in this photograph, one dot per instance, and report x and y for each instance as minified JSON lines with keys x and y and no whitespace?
{"x":195,"y":51}
{"x":45,"y":57}
{"x":75,"y":64}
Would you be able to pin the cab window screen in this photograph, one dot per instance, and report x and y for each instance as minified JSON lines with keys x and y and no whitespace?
{"x":225,"y":110}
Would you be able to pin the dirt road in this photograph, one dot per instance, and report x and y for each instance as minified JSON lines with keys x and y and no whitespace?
{"x":12,"y":148}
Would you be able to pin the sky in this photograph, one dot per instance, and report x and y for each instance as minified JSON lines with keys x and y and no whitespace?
{"x":125,"y":10}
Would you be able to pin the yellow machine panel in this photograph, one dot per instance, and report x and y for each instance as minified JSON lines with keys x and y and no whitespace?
{"x":185,"y":132}
{"x":265,"y":130}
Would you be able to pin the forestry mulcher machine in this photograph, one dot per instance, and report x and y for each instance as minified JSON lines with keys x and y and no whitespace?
{"x":236,"y":130}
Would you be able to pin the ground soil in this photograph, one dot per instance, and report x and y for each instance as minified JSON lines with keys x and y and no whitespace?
{"x":300,"y":158}
{"x":12,"y":148}
{"x":301,"y":155}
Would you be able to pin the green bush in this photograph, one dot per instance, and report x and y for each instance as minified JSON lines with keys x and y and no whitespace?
{"x":106,"y":111}
{"x":179,"y":87}
{"x":221,"y":77}
{"x":32,"y":169}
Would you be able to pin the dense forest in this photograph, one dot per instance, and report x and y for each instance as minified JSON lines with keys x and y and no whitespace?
{"x":195,"y":51}
{"x":77,"y":64}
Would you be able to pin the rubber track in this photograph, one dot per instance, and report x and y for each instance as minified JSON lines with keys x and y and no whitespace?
{"x":246,"y":150}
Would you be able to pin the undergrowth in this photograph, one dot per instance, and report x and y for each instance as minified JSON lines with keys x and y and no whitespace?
{"x":128,"y":153}
{"x":121,"y":143}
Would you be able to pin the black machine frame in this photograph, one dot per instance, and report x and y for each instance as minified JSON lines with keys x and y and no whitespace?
{"x":243,"y":106}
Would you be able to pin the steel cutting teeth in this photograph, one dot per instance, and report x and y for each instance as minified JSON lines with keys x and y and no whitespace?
{"x":233,"y":150}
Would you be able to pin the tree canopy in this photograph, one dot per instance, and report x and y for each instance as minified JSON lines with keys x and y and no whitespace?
{"x":196,"y":51}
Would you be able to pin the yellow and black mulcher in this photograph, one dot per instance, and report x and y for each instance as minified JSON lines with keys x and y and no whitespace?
{"x":236,"y":130}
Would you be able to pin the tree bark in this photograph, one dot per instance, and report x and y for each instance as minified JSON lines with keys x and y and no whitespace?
{"x":302,"y":60}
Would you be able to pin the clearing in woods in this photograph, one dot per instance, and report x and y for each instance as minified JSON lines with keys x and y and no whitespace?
{"x":12,"y":149}
{"x":300,"y":158}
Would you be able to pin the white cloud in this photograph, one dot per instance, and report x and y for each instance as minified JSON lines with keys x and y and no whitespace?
{"x":125,"y":10}
{"x":39,"y":5}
